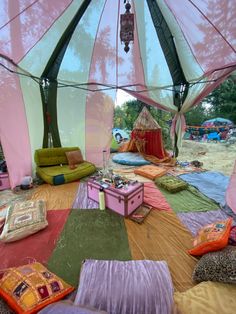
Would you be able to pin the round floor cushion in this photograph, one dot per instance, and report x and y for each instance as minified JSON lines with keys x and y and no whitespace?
{"x":131,"y":159}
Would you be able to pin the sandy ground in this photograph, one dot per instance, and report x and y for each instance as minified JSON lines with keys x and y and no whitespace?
{"x":214,"y":156}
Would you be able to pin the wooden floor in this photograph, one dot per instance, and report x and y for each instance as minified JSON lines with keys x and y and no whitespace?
{"x":161,"y":236}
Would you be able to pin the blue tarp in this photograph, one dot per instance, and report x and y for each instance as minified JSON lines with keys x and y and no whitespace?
{"x":211,"y":183}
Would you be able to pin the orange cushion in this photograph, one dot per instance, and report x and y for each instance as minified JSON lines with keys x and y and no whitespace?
{"x":211,"y":237}
{"x":29,"y":288}
{"x":74,"y":158}
{"x":150,"y":171}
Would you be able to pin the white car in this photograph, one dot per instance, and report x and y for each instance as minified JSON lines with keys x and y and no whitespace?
{"x":120,"y":135}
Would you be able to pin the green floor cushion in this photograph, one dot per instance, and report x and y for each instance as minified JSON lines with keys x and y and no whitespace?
{"x":63,"y":174}
{"x":171,"y":183}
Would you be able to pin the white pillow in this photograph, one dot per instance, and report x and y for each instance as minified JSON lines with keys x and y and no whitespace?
{"x":24,"y":219}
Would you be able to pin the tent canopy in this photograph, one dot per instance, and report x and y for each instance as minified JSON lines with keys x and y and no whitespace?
{"x":217,"y":121}
{"x":62,"y":62}
{"x":145,"y":121}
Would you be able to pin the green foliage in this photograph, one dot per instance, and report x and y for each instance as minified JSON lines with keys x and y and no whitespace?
{"x":223,"y":101}
{"x":197,"y":115}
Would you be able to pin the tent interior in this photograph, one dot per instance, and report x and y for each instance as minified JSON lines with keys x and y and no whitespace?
{"x":61,"y":64}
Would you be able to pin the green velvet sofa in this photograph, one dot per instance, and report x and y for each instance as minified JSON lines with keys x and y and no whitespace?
{"x":52,"y":166}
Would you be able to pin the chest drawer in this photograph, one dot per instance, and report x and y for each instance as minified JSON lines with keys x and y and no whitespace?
{"x":4,"y":181}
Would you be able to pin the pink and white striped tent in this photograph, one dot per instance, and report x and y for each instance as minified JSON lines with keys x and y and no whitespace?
{"x":61,"y":62}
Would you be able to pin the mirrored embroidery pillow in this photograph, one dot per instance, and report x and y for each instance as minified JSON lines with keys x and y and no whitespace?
{"x":211,"y":237}
{"x":29,"y":288}
{"x":24,"y":219}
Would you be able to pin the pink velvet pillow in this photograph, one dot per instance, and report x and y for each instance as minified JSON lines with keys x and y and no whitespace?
{"x":74,"y":158}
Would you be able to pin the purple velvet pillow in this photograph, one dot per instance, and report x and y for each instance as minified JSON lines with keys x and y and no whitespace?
{"x":126,"y":287}
{"x":69,"y":308}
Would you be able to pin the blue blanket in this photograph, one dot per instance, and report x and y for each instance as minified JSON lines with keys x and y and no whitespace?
{"x":211,"y":183}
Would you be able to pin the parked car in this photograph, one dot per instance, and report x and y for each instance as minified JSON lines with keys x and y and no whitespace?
{"x":120,"y":135}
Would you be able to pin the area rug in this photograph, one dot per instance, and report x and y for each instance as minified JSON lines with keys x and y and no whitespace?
{"x":88,"y":234}
{"x":190,"y":200}
{"x":213,"y":184}
{"x":162,"y":237}
{"x":195,"y":220}
{"x":153,"y":197}
{"x":37,"y":247}
{"x":81,"y":200}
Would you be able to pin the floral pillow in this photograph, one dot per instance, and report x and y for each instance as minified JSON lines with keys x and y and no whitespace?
{"x":29,"y":288}
{"x":211,"y":237}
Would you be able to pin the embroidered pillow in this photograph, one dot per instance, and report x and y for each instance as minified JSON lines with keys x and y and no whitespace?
{"x":211,"y":237}
{"x":171,"y":183}
{"x":29,"y":288}
{"x":24,"y":219}
{"x":217,"y":266}
{"x":74,"y":158}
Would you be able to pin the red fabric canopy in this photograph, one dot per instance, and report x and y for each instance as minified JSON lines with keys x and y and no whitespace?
{"x":153,"y":144}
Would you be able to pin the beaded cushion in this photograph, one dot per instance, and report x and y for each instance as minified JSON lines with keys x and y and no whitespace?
{"x":171,"y":184}
{"x":212,"y":237}
{"x":24,"y":219}
{"x":29,"y":288}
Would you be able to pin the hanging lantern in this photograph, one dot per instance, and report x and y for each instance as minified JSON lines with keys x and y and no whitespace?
{"x":127,"y":27}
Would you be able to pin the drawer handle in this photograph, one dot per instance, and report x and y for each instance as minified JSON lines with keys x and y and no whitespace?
{"x":139,"y":196}
{"x":132,"y":202}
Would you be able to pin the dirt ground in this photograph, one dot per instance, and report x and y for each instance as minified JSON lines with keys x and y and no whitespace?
{"x":215,"y":156}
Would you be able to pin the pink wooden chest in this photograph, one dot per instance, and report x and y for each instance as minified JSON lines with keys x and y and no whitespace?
{"x":123,"y":201}
{"x":4,"y":181}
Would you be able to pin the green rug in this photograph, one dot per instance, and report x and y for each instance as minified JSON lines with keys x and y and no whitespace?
{"x":189,"y":200}
{"x":88,"y":234}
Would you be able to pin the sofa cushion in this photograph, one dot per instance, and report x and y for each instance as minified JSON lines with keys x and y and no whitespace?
{"x":74,"y":158}
{"x":52,"y":156}
{"x":63,"y":174}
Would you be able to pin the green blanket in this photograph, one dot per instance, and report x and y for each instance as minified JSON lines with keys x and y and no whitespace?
{"x":189,"y":200}
{"x":88,"y":234}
